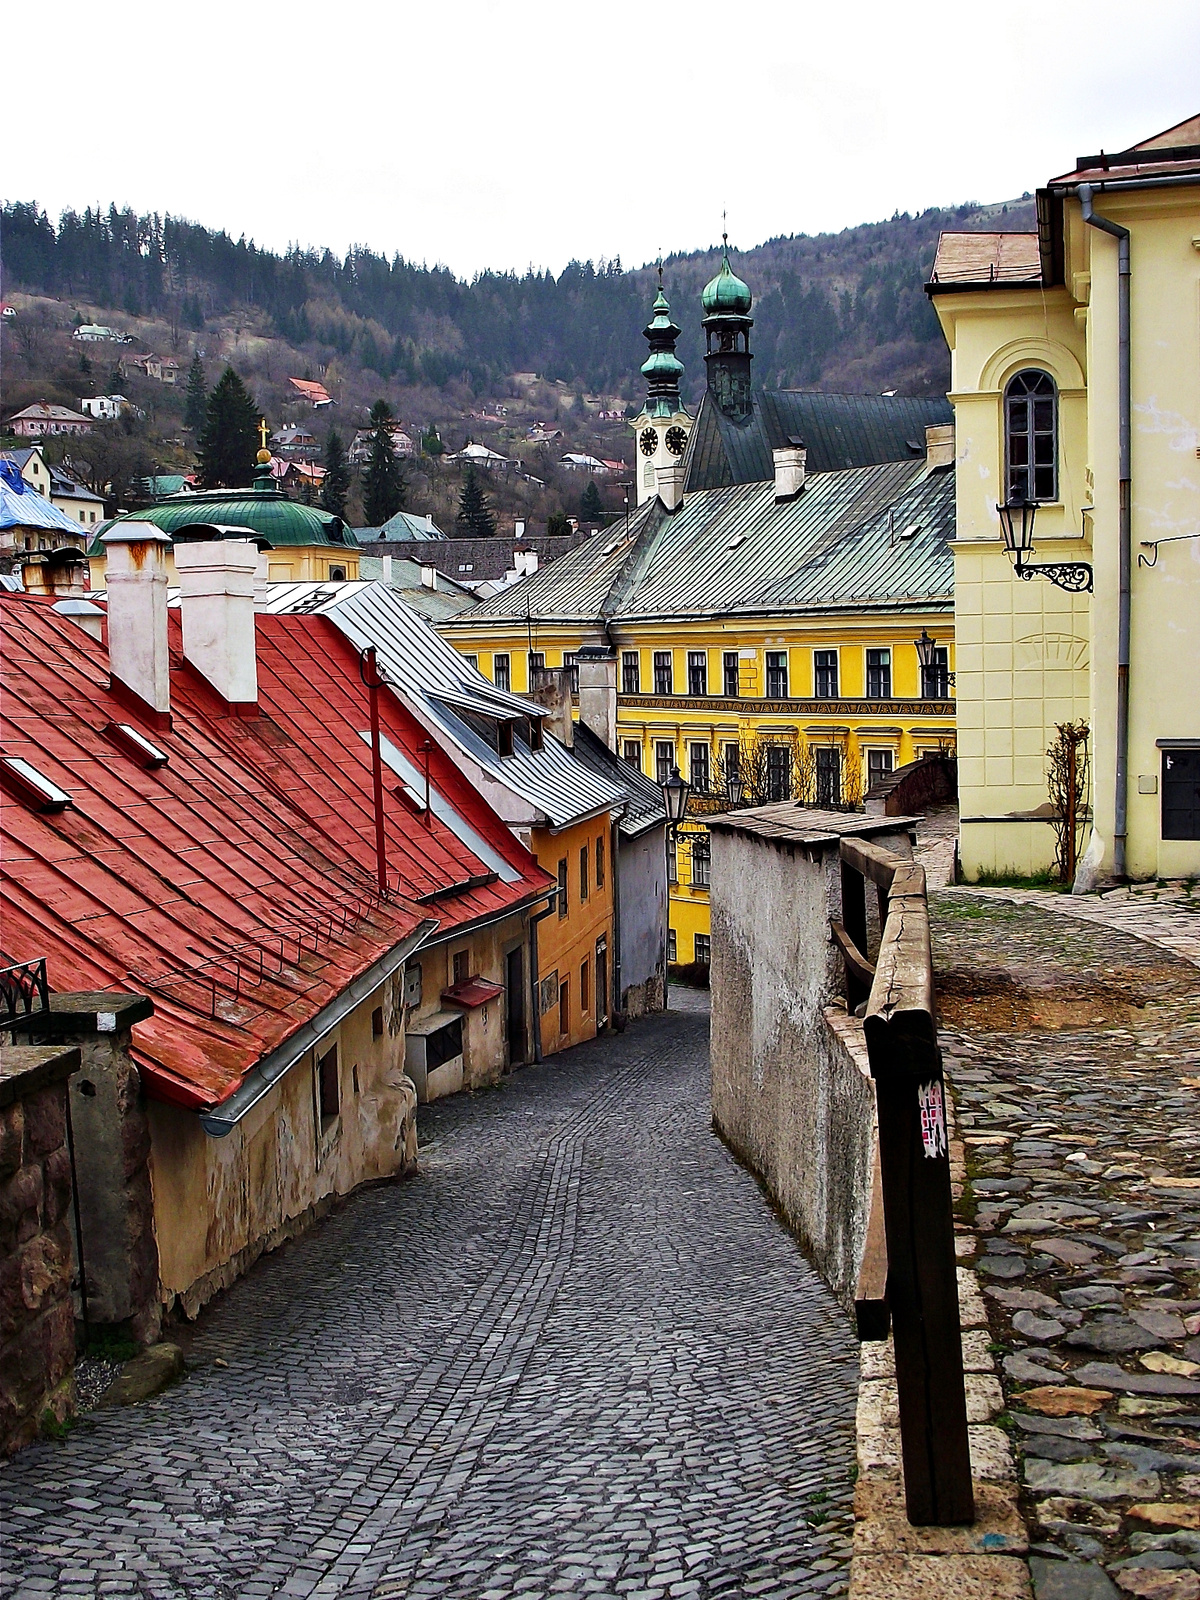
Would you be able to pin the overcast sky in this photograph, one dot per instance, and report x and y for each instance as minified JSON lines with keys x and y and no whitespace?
{"x":503,"y":135}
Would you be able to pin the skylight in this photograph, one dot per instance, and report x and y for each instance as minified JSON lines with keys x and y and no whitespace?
{"x":126,"y":737}
{"x":33,"y":786}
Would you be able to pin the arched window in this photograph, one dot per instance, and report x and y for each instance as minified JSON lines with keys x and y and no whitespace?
{"x":1031,"y":436}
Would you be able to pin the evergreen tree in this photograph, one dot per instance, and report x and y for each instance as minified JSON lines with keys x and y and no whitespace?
{"x":335,"y":485}
{"x":384,"y":488}
{"x":431,"y":442}
{"x":195,"y":408}
{"x":230,"y":438}
{"x":591,"y":507}
{"x":558,"y":525}
{"x":475,"y":519}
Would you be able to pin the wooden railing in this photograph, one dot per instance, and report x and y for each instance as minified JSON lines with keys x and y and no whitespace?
{"x":909,"y":1269}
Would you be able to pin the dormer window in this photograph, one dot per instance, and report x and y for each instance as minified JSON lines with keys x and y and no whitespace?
{"x":1031,"y":437}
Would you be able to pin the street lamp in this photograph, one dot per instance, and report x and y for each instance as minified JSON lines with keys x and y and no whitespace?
{"x":735,"y":787}
{"x":935,"y":682}
{"x":675,"y":799}
{"x":1016,"y":530}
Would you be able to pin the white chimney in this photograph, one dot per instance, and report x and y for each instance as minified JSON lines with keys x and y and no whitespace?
{"x":429,"y":577}
{"x":597,"y":666}
{"x":531,"y":563}
{"x":387,"y":569}
{"x":216,"y":600}
{"x":261,"y":579}
{"x":84,"y":614}
{"x":136,"y":580}
{"x":939,"y":445}
{"x":790,"y":466}
{"x":668,"y":480}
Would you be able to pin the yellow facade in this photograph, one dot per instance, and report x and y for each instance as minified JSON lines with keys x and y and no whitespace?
{"x":575,"y":942}
{"x":1031,"y":656}
{"x":902,"y":725}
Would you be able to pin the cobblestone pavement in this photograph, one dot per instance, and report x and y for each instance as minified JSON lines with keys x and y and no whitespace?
{"x":1073,"y":1049}
{"x":1165,"y":914}
{"x":576,"y":1356}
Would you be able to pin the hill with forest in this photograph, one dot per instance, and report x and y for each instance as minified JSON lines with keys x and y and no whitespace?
{"x":480,"y":359}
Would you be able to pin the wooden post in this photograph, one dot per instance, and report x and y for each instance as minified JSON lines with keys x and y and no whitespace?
{"x":914,"y":1159}
{"x":854,"y":921}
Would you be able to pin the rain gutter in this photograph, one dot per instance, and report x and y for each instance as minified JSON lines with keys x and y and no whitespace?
{"x":260,"y":1080}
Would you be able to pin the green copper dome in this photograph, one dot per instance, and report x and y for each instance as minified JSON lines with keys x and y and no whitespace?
{"x":273,"y":516}
{"x":663,"y":364}
{"x":726,"y":295}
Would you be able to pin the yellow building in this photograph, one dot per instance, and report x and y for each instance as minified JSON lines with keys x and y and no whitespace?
{"x":1087,"y":435}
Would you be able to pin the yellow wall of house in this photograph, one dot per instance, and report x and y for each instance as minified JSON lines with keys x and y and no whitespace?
{"x":1029,"y":654}
{"x":485,"y":1037}
{"x":565,"y":943}
{"x":290,"y":564}
{"x":218,"y":1203}
{"x":904,"y":725}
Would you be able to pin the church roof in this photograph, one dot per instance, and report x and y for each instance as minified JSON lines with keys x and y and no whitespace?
{"x":839,"y":430}
{"x":280,"y":521}
{"x":726,"y":294}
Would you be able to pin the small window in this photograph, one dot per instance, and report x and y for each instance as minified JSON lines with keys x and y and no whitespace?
{"x":672,"y":858}
{"x":631,"y":671}
{"x":779,"y":772}
{"x":537,"y":662}
{"x":562,"y":887}
{"x":328,"y":1087}
{"x":571,"y":663}
{"x":583,"y":873}
{"x":935,"y":678}
{"x":879,"y":674}
{"x":632,"y":751}
{"x":879,"y":765}
{"x":672,"y":955}
{"x":1181,"y":793}
{"x":505,"y":730}
{"x":698,"y":766}
{"x":664,"y":759}
{"x":825,"y":674}
{"x":502,"y":671}
{"x":585,"y":998}
{"x":377,"y":1023}
{"x":703,"y":948}
{"x":536,"y":740}
{"x":697,"y":672}
{"x":600,"y":861}
{"x":829,"y":776}
{"x":472,"y":661}
{"x":462,"y":966}
{"x":337,"y":574}
{"x":701,"y":856}
{"x":1031,"y":436}
{"x":663,"y":678}
{"x":564,"y":1007}
{"x":777,"y":675}
{"x":730,"y":674}
{"x":731,"y":768}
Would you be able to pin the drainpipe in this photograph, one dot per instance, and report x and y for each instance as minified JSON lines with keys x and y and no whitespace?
{"x":614,"y":972}
{"x":536,"y":1017}
{"x":1125,"y":532}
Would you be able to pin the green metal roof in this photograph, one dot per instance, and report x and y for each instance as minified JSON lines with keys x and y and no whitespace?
{"x":726,"y":294}
{"x":278,"y":520}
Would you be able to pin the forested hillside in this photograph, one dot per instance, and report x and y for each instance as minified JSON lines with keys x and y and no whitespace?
{"x":834,"y":311}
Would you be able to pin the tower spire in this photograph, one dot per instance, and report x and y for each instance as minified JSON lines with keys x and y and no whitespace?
{"x":727,"y":323}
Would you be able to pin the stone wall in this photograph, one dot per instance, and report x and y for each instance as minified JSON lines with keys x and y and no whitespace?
{"x":792,"y":1091}
{"x":37,"y":1256}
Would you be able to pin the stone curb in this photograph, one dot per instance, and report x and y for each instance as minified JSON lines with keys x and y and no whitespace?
{"x":892,"y":1560}
{"x":144,"y":1375}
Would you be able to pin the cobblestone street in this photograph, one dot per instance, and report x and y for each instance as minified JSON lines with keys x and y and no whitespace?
{"x":1071,"y":1030}
{"x":576,"y":1355}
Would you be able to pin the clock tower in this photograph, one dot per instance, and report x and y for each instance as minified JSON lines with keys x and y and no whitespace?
{"x":662,"y":426}
{"x":727,"y":323}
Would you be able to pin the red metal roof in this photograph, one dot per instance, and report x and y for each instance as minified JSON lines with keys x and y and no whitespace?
{"x":235,"y":885}
{"x":472,"y":992}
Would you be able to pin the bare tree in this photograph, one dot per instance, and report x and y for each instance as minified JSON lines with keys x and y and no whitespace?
{"x":1068,"y":775}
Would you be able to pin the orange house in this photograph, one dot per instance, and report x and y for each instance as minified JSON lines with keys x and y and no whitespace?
{"x":575,"y":940}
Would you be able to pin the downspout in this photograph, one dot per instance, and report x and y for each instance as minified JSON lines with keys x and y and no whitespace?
{"x":534,"y":984}
{"x":1125,"y":528}
{"x":614,"y":980}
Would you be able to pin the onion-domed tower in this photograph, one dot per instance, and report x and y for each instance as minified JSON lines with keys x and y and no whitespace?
{"x":663,"y":424}
{"x":727,"y":323}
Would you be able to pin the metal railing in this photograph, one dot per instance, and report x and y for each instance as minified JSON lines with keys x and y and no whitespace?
{"x":909,"y":1270}
{"x":20,"y":985}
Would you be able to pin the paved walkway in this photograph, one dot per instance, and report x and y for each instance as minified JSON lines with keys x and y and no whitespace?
{"x":576,"y":1356}
{"x":1168,"y":916}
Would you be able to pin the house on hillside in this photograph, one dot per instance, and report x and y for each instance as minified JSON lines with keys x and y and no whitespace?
{"x":161,"y":368}
{"x":315,"y":394}
{"x":294,"y":438}
{"x":575,"y":462}
{"x":108,"y":407}
{"x":64,"y":491}
{"x":360,"y":446}
{"x":480,"y":457}
{"x":404,"y":525}
{"x":282,"y":1014}
{"x":94,"y":333}
{"x":562,"y":811}
{"x":43,"y":420}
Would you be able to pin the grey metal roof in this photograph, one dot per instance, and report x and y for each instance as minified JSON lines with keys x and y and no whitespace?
{"x":445,"y":601}
{"x":870,"y":536}
{"x":644,"y":800}
{"x":549,"y":786}
{"x":839,"y":431}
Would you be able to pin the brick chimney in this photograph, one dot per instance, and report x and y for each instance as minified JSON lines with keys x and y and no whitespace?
{"x":598,"y":691}
{"x":791,"y":462}
{"x":216,"y":600}
{"x":136,"y":580}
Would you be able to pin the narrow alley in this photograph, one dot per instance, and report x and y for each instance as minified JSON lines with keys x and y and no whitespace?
{"x":575,"y":1355}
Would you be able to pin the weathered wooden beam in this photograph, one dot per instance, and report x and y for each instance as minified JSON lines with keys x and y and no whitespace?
{"x":871,"y":860}
{"x":857,"y":965}
{"x":871,"y":1314}
{"x":854,"y":921}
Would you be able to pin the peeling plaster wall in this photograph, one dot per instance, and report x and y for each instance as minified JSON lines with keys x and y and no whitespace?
{"x":792,"y":1094}
{"x":643,"y":913}
{"x":220,"y":1203}
{"x":485,"y":1028}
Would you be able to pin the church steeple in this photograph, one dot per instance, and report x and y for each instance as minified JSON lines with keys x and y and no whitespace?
{"x":727,"y":323}
{"x":663,"y":424}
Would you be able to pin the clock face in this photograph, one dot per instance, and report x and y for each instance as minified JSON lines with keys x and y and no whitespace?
{"x":676,"y":441}
{"x":648,"y":441}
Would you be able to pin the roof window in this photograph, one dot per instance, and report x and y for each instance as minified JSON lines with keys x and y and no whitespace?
{"x":29,"y":783}
{"x":128,"y":739}
{"x":738,"y":538}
